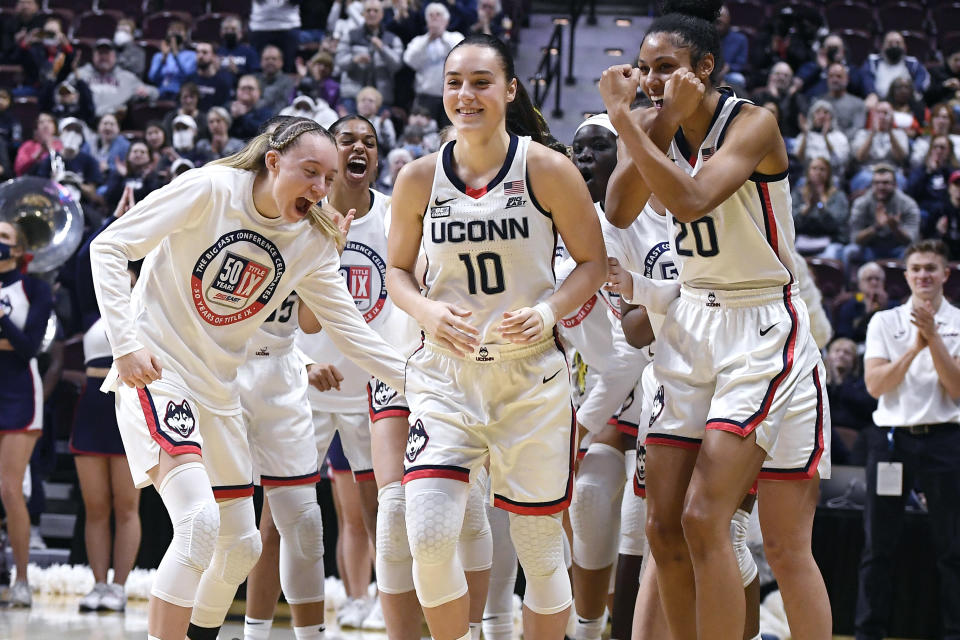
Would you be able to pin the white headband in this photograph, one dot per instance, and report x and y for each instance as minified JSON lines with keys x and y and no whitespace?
{"x":600,"y":120}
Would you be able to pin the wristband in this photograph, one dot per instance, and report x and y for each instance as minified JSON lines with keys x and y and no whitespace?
{"x":547,"y":316}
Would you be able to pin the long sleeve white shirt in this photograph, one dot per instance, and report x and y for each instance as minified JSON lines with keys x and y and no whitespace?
{"x":426,"y":57}
{"x":214,"y":269}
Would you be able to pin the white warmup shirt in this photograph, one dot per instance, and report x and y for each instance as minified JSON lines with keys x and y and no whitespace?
{"x":215,"y":268}
{"x":919,"y":398}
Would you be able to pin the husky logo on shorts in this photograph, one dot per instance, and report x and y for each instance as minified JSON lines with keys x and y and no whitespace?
{"x":483,"y":355}
{"x":712,"y":300}
{"x":383,"y":393}
{"x":416,"y":441}
{"x":641,"y":473}
{"x":6,"y":305}
{"x":179,"y":418}
{"x":235,"y":277}
{"x":365,"y":273}
{"x":657,"y":408}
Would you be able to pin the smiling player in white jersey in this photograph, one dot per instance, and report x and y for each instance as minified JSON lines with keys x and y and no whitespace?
{"x":733,"y":234}
{"x":224,"y":246}
{"x":489,"y":382}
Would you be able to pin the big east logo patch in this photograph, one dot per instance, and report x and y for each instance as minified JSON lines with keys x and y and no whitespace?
{"x":235,"y":277}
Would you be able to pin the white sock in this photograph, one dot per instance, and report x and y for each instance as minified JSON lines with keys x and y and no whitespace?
{"x":313,"y":632}
{"x":466,"y":636}
{"x":149,"y":637}
{"x":589,"y":628}
{"x":254,"y":629}
{"x":474,"y":631}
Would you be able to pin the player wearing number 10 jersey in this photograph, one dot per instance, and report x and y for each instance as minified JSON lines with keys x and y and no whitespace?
{"x":490,"y":382}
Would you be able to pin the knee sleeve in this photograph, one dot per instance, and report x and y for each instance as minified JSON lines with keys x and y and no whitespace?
{"x":237,"y":551}
{"x":300,"y":524}
{"x":434,"y":516}
{"x":738,"y":534}
{"x":189,"y":500}
{"x":595,"y":510}
{"x":539,"y":544}
{"x":476,"y":542}
{"x":394,"y":562}
{"x":498,"y":610}
{"x":633,"y":518}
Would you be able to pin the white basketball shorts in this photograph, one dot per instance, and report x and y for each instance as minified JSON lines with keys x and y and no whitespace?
{"x":510,"y":406}
{"x":743,"y":362}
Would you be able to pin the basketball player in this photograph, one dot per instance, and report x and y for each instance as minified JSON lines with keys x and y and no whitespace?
{"x":226,"y":245}
{"x":763,"y":412}
{"x":25,"y":306}
{"x":489,"y":381}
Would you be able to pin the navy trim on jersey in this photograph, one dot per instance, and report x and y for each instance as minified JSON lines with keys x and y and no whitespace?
{"x":166,"y":442}
{"x":768,"y":177}
{"x":807,"y":470}
{"x":533,"y":198}
{"x":100,"y":363}
{"x":723,"y":132}
{"x":683,"y":146}
{"x":283,"y":481}
{"x":447,"y":159}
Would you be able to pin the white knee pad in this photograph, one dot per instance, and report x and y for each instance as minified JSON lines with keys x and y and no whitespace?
{"x":394,"y":562}
{"x":237,"y":551}
{"x":539,"y":544}
{"x":595,"y":510}
{"x":738,"y":534}
{"x":300,"y":523}
{"x":193,"y":511}
{"x":434,"y":517}
{"x":476,"y":542}
{"x":633,"y":516}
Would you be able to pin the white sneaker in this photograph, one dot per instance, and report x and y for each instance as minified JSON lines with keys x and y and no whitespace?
{"x":114,"y":598}
{"x":20,"y":595}
{"x":91,"y":601}
{"x":374,"y":620}
{"x":36,"y":540}
{"x":352,"y":614}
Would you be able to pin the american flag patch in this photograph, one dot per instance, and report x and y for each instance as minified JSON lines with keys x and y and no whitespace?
{"x":707,"y":153}
{"x":513,"y":187}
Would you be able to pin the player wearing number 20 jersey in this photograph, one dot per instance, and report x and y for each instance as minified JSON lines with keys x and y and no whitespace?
{"x":740,"y":296}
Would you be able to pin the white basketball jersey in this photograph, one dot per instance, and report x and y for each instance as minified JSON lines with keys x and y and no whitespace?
{"x":363,"y":266}
{"x":644,"y":248}
{"x":745,"y":243}
{"x":491,"y":249}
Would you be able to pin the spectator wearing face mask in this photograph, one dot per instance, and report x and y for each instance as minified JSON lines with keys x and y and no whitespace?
{"x":236,"y":55}
{"x":306,"y":107}
{"x":174,"y":62}
{"x":214,"y":84}
{"x":76,"y":161}
{"x":185,"y":139}
{"x":881,"y":69}
{"x":130,"y":55}
{"x":189,"y":105}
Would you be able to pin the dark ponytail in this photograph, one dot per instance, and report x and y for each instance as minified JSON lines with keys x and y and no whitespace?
{"x":522,"y":119}
{"x":692,"y":22}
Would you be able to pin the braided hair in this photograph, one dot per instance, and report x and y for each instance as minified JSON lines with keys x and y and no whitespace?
{"x":281,"y":134}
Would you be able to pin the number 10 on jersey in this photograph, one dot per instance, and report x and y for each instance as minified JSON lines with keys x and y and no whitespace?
{"x":491,"y":272}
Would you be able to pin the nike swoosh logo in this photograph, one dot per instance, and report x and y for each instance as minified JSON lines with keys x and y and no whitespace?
{"x":546,"y":380}
{"x":437,"y":202}
{"x":764,"y":332}
{"x":488,"y":618}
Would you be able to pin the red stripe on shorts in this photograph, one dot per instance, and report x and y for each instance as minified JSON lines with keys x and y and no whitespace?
{"x":811,"y":467}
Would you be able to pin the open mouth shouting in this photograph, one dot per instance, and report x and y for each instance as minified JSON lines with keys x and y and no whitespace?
{"x":357,"y":167}
{"x":302,"y":205}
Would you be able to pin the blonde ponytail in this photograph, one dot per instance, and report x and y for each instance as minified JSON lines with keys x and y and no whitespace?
{"x":251,"y":158}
